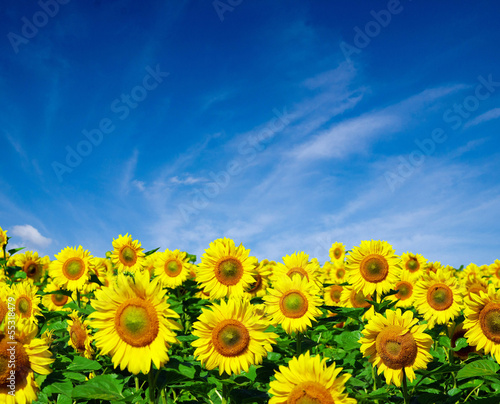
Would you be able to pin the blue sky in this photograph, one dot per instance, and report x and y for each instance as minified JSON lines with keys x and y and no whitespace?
{"x":283,"y":125}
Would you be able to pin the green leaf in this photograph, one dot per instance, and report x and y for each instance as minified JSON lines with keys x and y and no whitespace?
{"x":188,"y":371}
{"x":102,"y":387}
{"x":12,"y":251}
{"x":80,"y":364}
{"x":460,"y":344}
{"x":62,"y":399}
{"x":20,"y":275}
{"x":79,"y":377}
{"x":59,"y":388}
{"x":480,"y":368}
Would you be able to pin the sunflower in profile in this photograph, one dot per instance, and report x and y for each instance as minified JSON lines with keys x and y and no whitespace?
{"x":437,"y":297}
{"x":337,"y":252}
{"x":432,"y":266}
{"x":70,"y":270}
{"x":32,"y":356}
{"x":128,"y":255}
{"x":134,"y":323}
{"x":482,"y":321}
{"x":309,"y":380}
{"x":474,"y":284}
{"x":293,"y":303}
{"x":394,"y":343}
{"x":261,"y":274}
{"x":80,"y":337}
{"x":150,"y":262}
{"x":27,"y":301}
{"x":100,"y":266}
{"x":31,"y":264}
{"x":172,"y":268}
{"x":55,"y":301}
{"x":3,"y":238}
{"x":231,"y":337}
{"x":373,"y":267}
{"x":225,"y":270}
{"x":298,"y":264}
{"x":356,"y":299}
{"x":404,"y":286}
{"x":414,"y":264}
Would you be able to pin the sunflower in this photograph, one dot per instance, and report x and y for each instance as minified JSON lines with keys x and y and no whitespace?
{"x":404,"y":286}
{"x":337,"y":252}
{"x":79,"y":334}
{"x":150,"y":262}
{"x":134,"y":323}
{"x":414,"y":264}
{"x":373,"y":267}
{"x":127,"y":254}
{"x":437,"y":297}
{"x":473,"y":284}
{"x":101,"y":266}
{"x":31,"y":264}
{"x":26,"y":301}
{"x":70,"y":270}
{"x":482,"y":321}
{"x":309,"y":380}
{"x":231,"y":337}
{"x":298,"y":264}
{"x":172,"y":268}
{"x":432,"y":267}
{"x":332,"y":295}
{"x":494,"y":271}
{"x":356,"y":299}
{"x":396,"y":345}
{"x":30,"y":356}
{"x":293,"y":303}
{"x":338,"y":272}
{"x":261,"y":275}
{"x":225,"y":270}
{"x":55,"y":301}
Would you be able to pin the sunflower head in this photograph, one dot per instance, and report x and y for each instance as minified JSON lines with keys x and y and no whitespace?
{"x":127,"y":255}
{"x":31,"y":264}
{"x":337,"y":252}
{"x":3,"y":238}
{"x":70,"y":270}
{"x":79,"y":333}
{"x":172,"y":267}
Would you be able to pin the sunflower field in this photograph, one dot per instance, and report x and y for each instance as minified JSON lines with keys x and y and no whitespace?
{"x":137,"y":326}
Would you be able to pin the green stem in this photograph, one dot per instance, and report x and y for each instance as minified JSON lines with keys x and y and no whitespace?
{"x":374,"y":376}
{"x":405,"y":388}
{"x":226,"y":390}
{"x":78,"y":298}
{"x":298,"y":337}
{"x":136,"y":383}
{"x":152,"y":383}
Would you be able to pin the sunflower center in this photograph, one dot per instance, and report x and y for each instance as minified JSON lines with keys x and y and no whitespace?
{"x":374,"y":268}
{"x":137,"y":322}
{"x":30,"y":268}
{"x":358,"y":300}
{"x":78,"y":336}
{"x":405,"y":290}
{"x":173,"y":268}
{"x":440,"y":297}
{"x":412,"y":265}
{"x":230,"y":338}
{"x":337,"y":253}
{"x":59,"y":299}
{"x":128,"y":256}
{"x":310,"y":393}
{"x":19,"y":361}
{"x":24,"y":306}
{"x":396,"y":350}
{"x":229,"y":271}
{"x":489,"y":319}
{"x":335,"y":293}
{"x":73,"y":268}
{"x":257,"y":285}
{"x":293,"y":304}
{"x":340,"y":273}
{"x":298,"y":270}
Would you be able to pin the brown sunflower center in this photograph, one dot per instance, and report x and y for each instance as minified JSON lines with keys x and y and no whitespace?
{"x":230,"y":338}
{"x":128,"y":256}
{"x":31,"y":269}
{"x":59,"y":299}
{"x":293,"y":304}
{"x":374,"y":268}
{"x":489,"y":319}
{"x":257,"y":285}
{"x":405,"y":290}
{"x":13,"y":357}
{"x":358,"y":300}
{"x":310,"y":393}
{"x":73,"y":268}
{"x":78,"y":335}
{"x":337,"y":253}
{"x":412,"y":265}
{"x":229,"y":271}
{"x":340,"y":273}
{"x":298,"y":270}
{"x":440,"y":297}
{"x":173,"y":268}
{"x":23,"y":306}
{"x":335,"y":293}
{"x":137,"y":322}
{"x":396,"y":350}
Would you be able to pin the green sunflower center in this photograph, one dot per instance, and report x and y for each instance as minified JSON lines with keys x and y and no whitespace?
{"x":229,"y":271}
{"x":340,"y":273}
{"x":440,"y":297}
{"x":128,"y":256}
{"x":294,"y":304}
{"x":358,"y":299}
{"x":230,"y":338}
{"x":489,"y":319}
{"x":24,"y":306}
{"x":59,"y":299}
{"x":412,"y":265}
{"x":374,"y":268}
{"x":173,"y":268}
{"x":310,"y":393}
{"x":73,"y":268}
{"x":137,"y":322}
{"x":404,"y":289}
{"x":337,"y":253}
{"x":335,"y":293}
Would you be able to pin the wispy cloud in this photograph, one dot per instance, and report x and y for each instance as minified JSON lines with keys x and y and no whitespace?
{"x":487,"y":116}
{"x":29,"y":234}
{"x":188,"y":180}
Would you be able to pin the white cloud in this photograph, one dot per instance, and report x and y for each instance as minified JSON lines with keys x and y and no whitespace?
{"x":189,"y":180}
{"x":28,"y":234}
{"x":487,"y":116}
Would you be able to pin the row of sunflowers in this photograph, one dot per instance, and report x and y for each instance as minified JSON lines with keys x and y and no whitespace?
{"x":138,"y":326}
